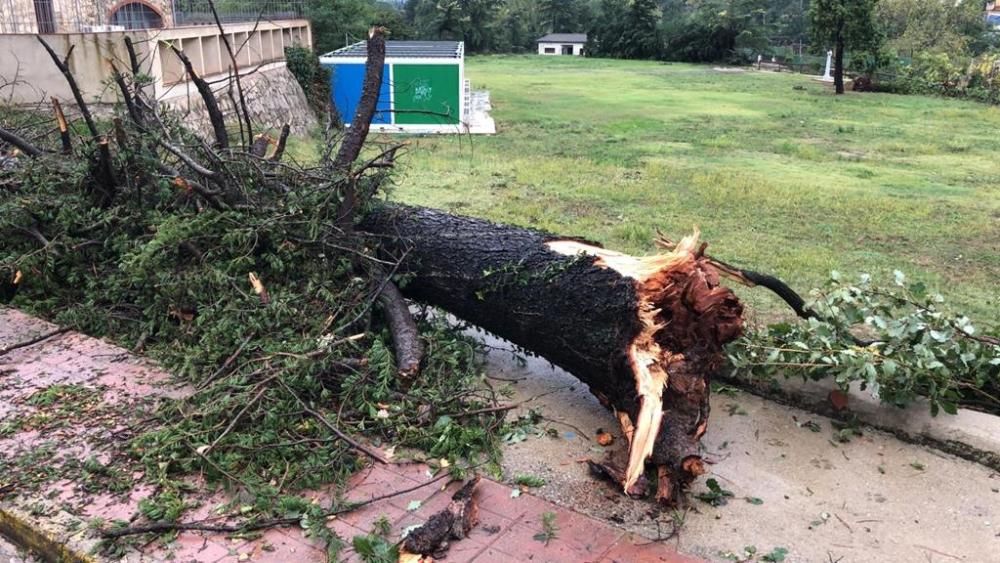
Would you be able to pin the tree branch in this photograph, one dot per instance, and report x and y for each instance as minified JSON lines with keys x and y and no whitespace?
{"x":22,"y":145}
{"x":203,"y":525}
{"x":405,"y":336}
{"x":279,"y":149}
{"x":351,"y":145}
{"x":340,"y":433}
{"x":67,"y":145}
{"x":236,"y":68}
{"x":211,"y":104}
{"x":64,"y":69}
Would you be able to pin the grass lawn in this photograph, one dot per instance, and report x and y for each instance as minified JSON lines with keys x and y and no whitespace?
{"x":780,"y":175}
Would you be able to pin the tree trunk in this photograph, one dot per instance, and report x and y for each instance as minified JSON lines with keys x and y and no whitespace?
{"x":645,"y":333}
{"x":838,"y":65}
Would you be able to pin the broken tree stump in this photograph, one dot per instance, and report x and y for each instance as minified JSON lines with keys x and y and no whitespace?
{"x":451,"y":523}
{"x":644,"y":332}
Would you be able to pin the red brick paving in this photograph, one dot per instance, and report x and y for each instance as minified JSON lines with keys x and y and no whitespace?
{"x":506,"y":531}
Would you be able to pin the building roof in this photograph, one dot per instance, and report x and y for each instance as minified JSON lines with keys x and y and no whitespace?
{"x":406,"y":49}
{"x":563,"y":38}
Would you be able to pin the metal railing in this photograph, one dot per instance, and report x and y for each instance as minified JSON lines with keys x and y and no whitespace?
{"x":198,"y":12}
{"x":106,"y":15}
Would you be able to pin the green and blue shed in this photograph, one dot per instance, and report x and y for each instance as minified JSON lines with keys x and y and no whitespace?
{"x":423,"y":85}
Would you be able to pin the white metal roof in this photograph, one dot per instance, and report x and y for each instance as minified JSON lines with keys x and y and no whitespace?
{"x":563,"y":38}
{"x":405,"y":50}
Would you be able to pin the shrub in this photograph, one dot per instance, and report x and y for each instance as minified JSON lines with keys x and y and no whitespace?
{"x":313,"y":77}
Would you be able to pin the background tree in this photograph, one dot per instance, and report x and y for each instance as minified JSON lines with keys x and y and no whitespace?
{"x":519,"y":24}
{"x":337,"y":22}
{"x":913,"y":26}
{"x":607,"y":33}
{"x":642,"y":30}
{"x":716,"y":30}
{"x":844,"y":24}
{"x":472,"y":21}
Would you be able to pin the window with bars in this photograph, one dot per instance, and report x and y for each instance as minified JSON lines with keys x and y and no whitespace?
{"x":44,"y":16}
{"x":135,"y":15}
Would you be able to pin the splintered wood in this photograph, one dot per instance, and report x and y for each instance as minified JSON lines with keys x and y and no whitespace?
{"x":451,"y":523}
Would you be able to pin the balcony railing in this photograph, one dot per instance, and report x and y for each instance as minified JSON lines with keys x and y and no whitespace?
{"x":198,"y":12}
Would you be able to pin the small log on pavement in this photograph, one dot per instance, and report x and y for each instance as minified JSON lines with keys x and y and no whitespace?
{"x":451,"y":523}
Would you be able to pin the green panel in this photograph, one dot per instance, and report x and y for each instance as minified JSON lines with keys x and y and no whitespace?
{"x":426,"y":88}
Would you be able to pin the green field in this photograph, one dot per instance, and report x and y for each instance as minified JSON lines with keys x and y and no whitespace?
{"x":780,"y":175}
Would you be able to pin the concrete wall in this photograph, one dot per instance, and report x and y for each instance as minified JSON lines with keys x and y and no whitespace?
{"x":23,"y":57}
{"x":275,"y":96}
{"x":557,"y":48}
{"x":93,"y":54}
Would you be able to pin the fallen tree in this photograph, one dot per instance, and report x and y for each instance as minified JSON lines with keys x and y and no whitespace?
{"x":645,"y":333}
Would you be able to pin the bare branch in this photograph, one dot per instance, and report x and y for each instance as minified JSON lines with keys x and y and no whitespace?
{"x":126,"y":94}
{"x":350,"y":147}
{"x":190,"y":162}
{"x":67,"y":145}
{"x":73,"y":86}
{"x":405,"y":336}
{"x":211,"y":104}
{"x":236,"y":68}
{"x":279,"y":149}
{"x":22,"y":145}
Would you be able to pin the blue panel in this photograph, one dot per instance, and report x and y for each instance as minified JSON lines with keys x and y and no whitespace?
{"x":346,"y":81}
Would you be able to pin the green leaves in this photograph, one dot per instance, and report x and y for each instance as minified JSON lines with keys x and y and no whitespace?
{"x":549,"y":528}
{"x":716,"y":495}
{"x":533,"y":481}
{"x":898,"y":342}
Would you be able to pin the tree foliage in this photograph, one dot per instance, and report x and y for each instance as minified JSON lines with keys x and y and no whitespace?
{"x":843,"y":25}
{"x":913,"y":26}
{"x":899,"y":342}
{"x":237,"y":271}
{"x":716,"y":30}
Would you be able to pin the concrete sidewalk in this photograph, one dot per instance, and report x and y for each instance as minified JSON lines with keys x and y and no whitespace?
{"x":92,"y":390}
{"x":872,"y":499}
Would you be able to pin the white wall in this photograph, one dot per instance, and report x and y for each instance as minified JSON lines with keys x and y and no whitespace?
{"x":22,"y":56}
{"x":557,"y":47}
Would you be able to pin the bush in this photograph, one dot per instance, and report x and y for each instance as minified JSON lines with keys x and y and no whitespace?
{"x":941,"y":75}
{"x":313,"y":77}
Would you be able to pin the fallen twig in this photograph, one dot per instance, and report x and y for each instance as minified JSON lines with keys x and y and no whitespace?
{"x":35,"y":340}
{"x":333,"y":428}
{"x":205,"y":526}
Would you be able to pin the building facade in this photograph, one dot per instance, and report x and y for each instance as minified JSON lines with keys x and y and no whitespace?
{"x":561,"y":44}
{"x":75,"y":16}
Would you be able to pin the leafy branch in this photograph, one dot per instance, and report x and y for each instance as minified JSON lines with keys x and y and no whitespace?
{"x":899,"y":342}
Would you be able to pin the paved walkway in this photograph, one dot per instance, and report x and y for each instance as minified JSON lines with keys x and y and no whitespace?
{"x":872,"y":499}
{"x":106,"y":385}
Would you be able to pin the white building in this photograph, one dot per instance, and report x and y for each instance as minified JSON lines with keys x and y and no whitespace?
{"x":562,"y":44}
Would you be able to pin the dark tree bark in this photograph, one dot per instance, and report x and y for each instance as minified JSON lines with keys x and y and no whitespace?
{"x":355,"y":137}
{"x":838,"y":61}
{"x":405,"y":335}
{"x":211,"y":104}
{"x":451,"y":523}
{"x":645,"y":333}
{"x":279,"y":149}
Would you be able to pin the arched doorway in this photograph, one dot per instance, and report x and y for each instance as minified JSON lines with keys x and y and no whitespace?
{"x":136,"y":15}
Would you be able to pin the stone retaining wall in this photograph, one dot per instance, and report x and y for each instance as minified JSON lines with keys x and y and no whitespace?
{"x":273,"y":96}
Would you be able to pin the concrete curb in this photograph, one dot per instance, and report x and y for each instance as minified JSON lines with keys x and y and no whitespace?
{"x":21,"y":531}
{"x":970,"y":435}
